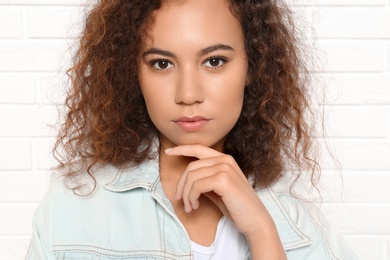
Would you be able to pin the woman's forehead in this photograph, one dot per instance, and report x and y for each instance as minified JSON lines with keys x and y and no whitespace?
{"x":194,"y":20}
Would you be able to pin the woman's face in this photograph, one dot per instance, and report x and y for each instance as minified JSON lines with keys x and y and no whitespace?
{"x":193,"y":70}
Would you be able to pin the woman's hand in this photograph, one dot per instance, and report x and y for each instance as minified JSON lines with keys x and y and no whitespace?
{"x":217,"y":176}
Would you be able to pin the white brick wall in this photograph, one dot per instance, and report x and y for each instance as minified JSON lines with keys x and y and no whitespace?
{"x":354,"y":42}
{"x":353,"y":38}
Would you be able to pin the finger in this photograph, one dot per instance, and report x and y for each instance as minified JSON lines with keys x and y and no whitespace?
{"x":224,"y":163}
{"x":216,"y":184}
{"x":187,"y":183}
{"x":191,"y":167}
{"x":200,"y":186}
{"x":219,"y":182}
{"x":195,"y":150}
{"x":218,"y":201}
{"x":206,"y":155}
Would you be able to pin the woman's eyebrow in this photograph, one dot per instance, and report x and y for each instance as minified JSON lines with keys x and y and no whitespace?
{"x":200,"y":53}
{"x":158,"y":51}
{"x":214,"y":48}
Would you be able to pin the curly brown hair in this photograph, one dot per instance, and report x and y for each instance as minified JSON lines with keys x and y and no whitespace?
{"x":107,"y":121}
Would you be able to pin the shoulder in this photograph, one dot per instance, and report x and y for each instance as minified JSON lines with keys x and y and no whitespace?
{"x":60,"y":197}
{"x":82,"y":185}
{"x":304,"y":231}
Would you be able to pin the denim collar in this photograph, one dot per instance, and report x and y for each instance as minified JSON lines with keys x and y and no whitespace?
{"x":146,"y":176}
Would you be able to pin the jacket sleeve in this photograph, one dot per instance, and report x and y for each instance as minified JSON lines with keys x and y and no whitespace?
{"x":41,"y":244}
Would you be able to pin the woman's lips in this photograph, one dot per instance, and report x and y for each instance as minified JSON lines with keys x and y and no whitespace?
{"x":191,"y":124}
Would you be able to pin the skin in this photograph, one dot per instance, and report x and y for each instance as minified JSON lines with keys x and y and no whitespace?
{"x":191,"y":82}
{"x":194,"y":65}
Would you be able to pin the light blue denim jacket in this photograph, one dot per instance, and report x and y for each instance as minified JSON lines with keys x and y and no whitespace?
{"x":128,"y":216}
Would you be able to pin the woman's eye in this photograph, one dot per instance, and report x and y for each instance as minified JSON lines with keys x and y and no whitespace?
{"x":161,"y":64}
{"x":215,"y":62}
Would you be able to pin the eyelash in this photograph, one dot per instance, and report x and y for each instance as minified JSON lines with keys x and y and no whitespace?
{"x":154,"y":62}
{"x":219,"y":59}
{"x":224,"y":60}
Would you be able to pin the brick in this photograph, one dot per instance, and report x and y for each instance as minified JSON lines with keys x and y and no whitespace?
{"x":32,"y":56}
{"x":354,"y":121}
{"x":356,"y":186}
{"x":17,"y":89}
{"x":23,"y":186}
{"x":302,"y":17}
{"x":358,"y":154}
{"x":352,"y":23}
{"x":337,"y":56}
{"x":14,"y":247}
{"x":367,"y":247}
{"x":361,"y":155}
{"x":359,"y":219}
{"x":53,"y":22}
{"x":15,"y":156}
{"x":388,"y":57}
{"x":52,"y":90}
{"x":358,"y":89}
{"x":338,"y":2}
{"x":43,"y":154}
{"x":16,"y":220}
{"x":27,"y":121}
{"x":388,"y":248}
{"x":10,"y":23}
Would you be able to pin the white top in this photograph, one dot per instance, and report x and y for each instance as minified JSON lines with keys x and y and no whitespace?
{"x":228,"y":243}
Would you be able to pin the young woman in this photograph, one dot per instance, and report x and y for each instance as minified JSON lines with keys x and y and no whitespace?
{"x":181,"y":115}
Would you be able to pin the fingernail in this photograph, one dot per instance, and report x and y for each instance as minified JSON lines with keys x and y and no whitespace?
{"x":168,"y":150}
{"x":186,"y":209}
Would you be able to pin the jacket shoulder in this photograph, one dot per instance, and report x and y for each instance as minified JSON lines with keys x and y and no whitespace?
{"x":306,"y":219}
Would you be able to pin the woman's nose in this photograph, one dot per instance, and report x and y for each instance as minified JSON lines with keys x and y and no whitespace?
{"x":189,"y":89}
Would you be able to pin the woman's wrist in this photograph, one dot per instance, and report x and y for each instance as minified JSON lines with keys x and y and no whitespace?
{"x":264,"y":241}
